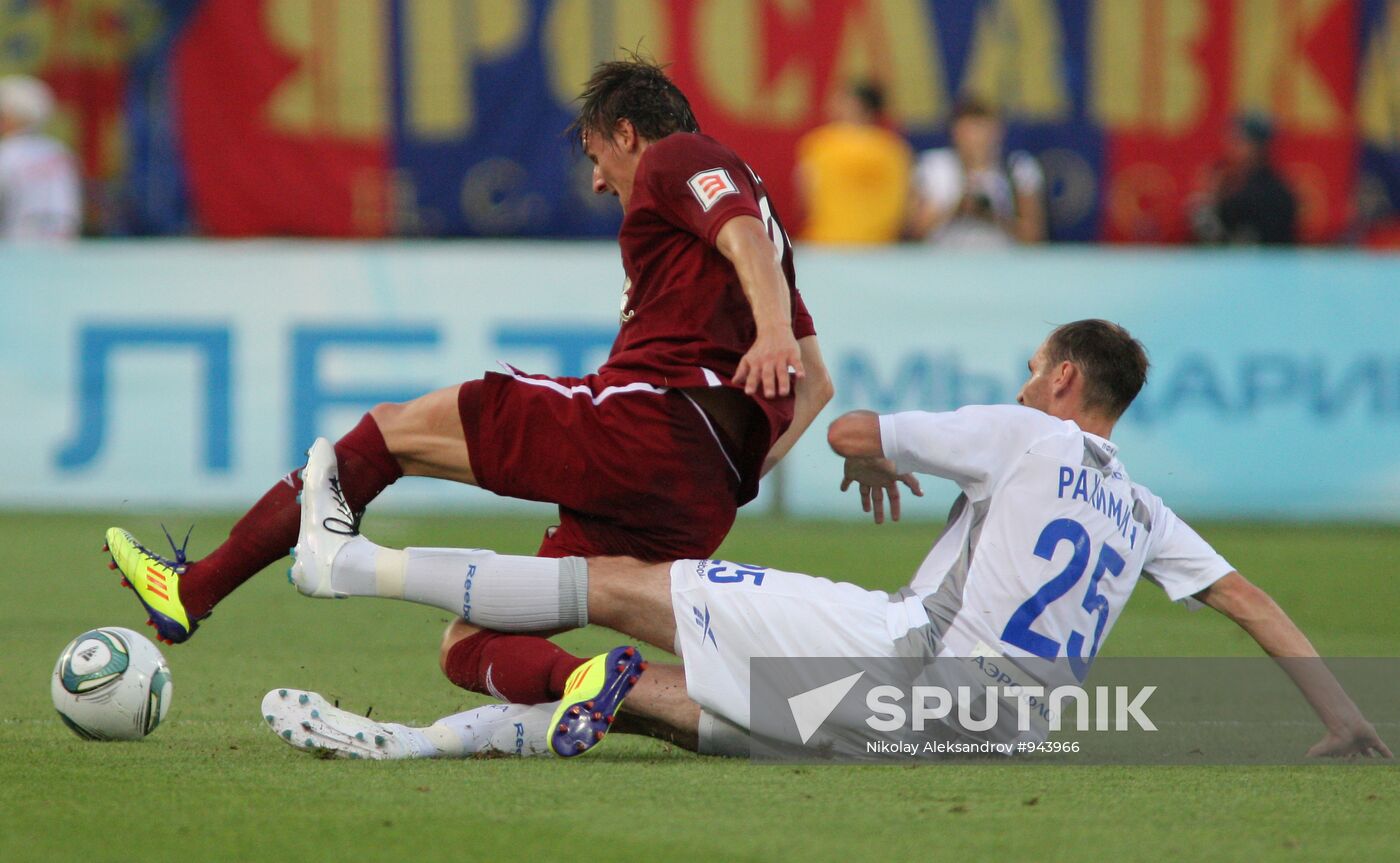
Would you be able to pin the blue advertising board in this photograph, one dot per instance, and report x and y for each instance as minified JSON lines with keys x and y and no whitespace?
{"x":183,"y":374}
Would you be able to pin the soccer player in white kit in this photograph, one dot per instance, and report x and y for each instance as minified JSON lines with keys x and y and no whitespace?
{"x":1041,"y":552}
{"x":40,"y":192}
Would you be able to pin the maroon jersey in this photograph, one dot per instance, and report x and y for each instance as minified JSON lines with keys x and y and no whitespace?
{"x":685,"y":319}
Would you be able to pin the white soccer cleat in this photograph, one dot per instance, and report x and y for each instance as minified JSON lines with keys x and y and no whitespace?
{"x":308,"y":722}
{"x":327,"y":524}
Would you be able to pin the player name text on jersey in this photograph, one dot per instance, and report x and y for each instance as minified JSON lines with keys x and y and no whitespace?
{"x":1088,"y":486}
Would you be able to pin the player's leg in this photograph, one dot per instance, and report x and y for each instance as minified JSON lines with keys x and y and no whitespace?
{"x":426,"y":435}
{"x":659,"y":707}
{"x":515,"y":667}
{"x":620,"y":491}
{"x":511,"y":602}
{"x":177,"y":594}
{"x":423,"y":437}
{"x":502,"y":592}
{"x":634,"y":597}
{"x":571,"y":726}
{"x":308,"y":722}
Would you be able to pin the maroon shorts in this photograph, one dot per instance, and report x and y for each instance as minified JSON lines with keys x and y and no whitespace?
{"x":636,"y":470}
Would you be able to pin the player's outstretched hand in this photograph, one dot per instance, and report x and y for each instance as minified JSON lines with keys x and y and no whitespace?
{"x":1357,"y":739}
{"x":767,"y":366}
{"x":877,"y":480}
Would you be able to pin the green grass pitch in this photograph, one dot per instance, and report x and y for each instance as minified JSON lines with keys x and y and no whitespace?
{"x":214,"y":784}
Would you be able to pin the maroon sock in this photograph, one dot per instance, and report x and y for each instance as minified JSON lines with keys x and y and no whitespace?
{"x":268,"y":531}
{"x":519,"y":669}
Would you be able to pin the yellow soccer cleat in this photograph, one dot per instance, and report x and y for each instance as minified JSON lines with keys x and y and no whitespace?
{"x":155,"y":581}
{"x":592,"y":696}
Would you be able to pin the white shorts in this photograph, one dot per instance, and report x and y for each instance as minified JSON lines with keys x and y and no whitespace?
{"x":728,"y":613}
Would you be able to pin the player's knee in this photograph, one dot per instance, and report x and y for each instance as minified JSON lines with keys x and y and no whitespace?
{"x":400,"y":425}
{"x":387,"y":415}
{"x":457,"y":631}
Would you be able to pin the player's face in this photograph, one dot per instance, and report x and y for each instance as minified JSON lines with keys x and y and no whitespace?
{"x":613,"y":166}
{"x":1035,"y":392}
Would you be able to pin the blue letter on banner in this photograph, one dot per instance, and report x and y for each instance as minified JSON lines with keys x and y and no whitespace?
{"x":96,"y":344}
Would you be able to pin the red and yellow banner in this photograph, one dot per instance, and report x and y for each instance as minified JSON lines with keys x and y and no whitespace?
{"x":433,"y":117}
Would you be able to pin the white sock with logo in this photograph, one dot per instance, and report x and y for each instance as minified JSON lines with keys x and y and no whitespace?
{"x":500,"y":729}
{"x":504,"y":592}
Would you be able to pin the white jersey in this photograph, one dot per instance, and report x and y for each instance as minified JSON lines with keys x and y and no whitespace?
{"x":39,"y":189}
{"x":1048,"y":539}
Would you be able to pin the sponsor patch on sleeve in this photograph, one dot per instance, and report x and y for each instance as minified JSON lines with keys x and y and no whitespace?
{"x":711,"y":185}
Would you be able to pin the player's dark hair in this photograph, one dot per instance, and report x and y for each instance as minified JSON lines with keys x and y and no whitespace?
{"x":635,"y":89}
{"x":1114,"y":364}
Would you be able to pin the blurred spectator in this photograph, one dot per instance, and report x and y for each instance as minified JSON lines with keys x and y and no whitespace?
{"x":853,"y":173}
{"x":1246,"y":201}
{"x":39,"y":185}
{"x":967,"y":196}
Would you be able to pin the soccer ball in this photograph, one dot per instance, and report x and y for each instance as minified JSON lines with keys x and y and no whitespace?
{"x":111,"y":684}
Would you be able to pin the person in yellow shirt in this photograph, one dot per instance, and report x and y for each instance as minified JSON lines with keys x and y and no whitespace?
{"x":853,"y":174}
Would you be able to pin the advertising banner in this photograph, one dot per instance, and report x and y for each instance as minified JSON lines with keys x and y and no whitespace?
{"x":445,"y":117}
{"x":195,"y":374}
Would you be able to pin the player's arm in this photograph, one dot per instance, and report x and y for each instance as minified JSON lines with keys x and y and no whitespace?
{"x":745,"y":242}
{"x":856,"y":436}
{"x":1348,"y":732}
{"x":812,"y":393}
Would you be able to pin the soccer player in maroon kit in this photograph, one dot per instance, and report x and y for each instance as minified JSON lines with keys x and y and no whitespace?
{"x":714,"y":375}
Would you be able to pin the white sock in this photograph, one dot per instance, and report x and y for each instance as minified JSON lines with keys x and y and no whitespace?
{"x":504,"y":592}
{"x":505,"y":729}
